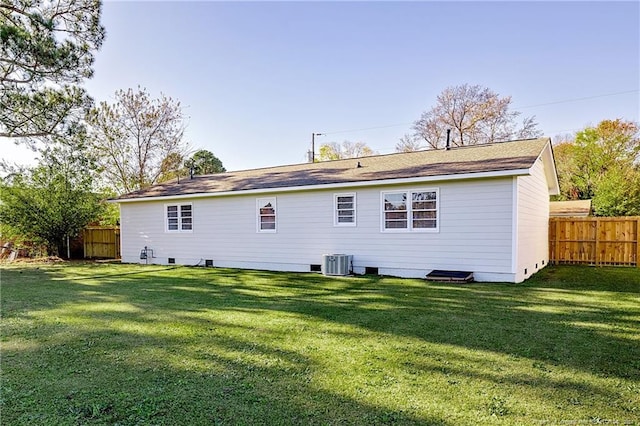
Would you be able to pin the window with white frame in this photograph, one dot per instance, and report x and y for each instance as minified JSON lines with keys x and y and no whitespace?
{"x":344,"y":209}
{"x":179,"y":217}
{"x":266,"y":208}
{"x":413,"y":210}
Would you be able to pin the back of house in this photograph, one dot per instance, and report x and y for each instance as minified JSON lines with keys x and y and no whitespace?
{"x":482,"y":209}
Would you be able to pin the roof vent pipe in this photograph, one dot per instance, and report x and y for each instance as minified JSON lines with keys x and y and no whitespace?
{"x":448,"y":147}
{"x":359,"y":165}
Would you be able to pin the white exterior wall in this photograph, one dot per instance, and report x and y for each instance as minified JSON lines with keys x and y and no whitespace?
{"x":475,"y":232}
{"x":532,"y":224}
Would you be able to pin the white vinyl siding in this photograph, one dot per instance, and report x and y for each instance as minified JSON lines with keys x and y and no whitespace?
{"x":474,"y":222}
{"x":266,"y":211}
{"x":414,"y":210}
{"x":532,"y":200}
{"x":179,"y":217}
{"x":344,"y":209}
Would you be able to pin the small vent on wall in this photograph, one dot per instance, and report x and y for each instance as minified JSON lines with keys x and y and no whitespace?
{"x":315,"y":268}
{"x":208,"y":263}
{"x":171,"y":261}
{"x":370,"y":270}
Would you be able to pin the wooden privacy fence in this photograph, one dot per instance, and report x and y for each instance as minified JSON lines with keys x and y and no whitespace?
{"x":597,"y":241}
{"x":101,"y":242}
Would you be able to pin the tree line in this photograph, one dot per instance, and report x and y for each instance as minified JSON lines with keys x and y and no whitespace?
{"x":600,"y":162}
{"x":89,"y":152}
{"x":86,"y":152}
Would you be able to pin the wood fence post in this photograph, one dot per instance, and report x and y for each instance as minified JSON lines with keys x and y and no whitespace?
{"x":638,"y":242}
{"x":556,"y":252}
{"x":552,"y":240}
{"x":597,"y":249}
{"x":84,"y":243}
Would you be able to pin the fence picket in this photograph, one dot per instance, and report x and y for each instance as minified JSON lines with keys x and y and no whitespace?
{"x":595,"y":240}
{"x":101,"y":242}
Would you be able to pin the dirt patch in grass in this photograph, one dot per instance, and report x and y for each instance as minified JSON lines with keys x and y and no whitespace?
{"x":47,"y":260}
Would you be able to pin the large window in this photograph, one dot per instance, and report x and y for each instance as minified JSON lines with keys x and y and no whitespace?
{"x":415,"y":210}
{"x":345,"y":210}
{"x":179,"y":217}
{"x":266,"y":214}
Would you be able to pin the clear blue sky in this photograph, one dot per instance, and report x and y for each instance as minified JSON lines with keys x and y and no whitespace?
{"x":256,"y":79}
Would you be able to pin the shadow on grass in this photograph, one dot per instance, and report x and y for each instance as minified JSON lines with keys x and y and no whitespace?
{"x":539,"y":320}
{"x":170,"y":384}
{"x":246,"y":380}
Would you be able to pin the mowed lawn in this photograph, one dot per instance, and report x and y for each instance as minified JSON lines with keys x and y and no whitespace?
{"x":138,"y":345}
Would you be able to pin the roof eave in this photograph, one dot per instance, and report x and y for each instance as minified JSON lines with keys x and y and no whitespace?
{"x":379,"y":182}
{"x":550,"y":170}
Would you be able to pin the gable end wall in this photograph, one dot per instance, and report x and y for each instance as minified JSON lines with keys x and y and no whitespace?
{"x":532,"y":235}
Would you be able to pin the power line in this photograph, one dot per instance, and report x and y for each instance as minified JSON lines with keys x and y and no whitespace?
{"x":366,"y":128}
{"x":579,"y":99}
{"x":523,"y":107}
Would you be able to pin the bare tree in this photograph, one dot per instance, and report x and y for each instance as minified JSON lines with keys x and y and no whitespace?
{"x":562,"y":138}
{"x":337,"y":151}
{"x":408,"y":143}
{"x":134,"y":136}
{"x":475,"y":115}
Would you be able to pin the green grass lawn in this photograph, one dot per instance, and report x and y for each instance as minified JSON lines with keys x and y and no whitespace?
{"x":137,"y":345}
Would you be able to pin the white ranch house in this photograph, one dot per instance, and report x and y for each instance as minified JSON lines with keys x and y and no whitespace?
{"x":483,"y":209}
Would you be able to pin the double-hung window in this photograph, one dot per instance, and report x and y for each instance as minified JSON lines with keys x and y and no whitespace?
{"x":266,"y":209}
{"x":179,"y":217}
{"x":413,"y":210}
{"x":344,"y":210}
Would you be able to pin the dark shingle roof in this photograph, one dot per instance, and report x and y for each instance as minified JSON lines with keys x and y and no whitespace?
{"x":494,"y":157}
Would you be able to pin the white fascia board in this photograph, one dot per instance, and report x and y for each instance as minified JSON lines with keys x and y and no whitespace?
{"x":550,"y":170}
{"x":379,"y":182}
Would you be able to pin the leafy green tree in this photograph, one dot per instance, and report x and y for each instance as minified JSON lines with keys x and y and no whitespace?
{"x":204,"y":163}
{"x":52,"y":201}
{"x":337,"y":151}
{"x":46,"y":51}
{"x":474,"y":114}
{"x":564,"y":153}
{"x":602,"y":163}
{"x":134,"y":136}
{"x":618,"y":193}
{"x":172,"y":167}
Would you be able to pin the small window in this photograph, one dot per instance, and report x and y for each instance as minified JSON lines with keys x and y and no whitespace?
{"x":266,"y":214}
{"x":186,"y":218}
{"x":423,"y":209}
{"x":345,"y":210}
{"x":395,"y":210}
{"x":172,"y":218}
{"x":415,"y":210}
{"x":179,"y":217}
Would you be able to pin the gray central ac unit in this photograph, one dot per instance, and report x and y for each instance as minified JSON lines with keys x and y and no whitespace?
{"x":337,"y":264}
